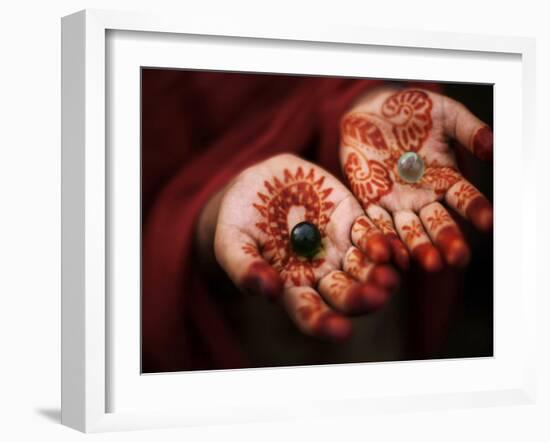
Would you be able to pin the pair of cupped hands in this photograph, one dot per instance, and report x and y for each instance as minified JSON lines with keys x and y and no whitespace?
{"x":377,"y":224}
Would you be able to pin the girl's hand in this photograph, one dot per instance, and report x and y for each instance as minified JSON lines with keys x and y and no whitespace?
{"x":344,"y":275}
{"x":390,"y":122}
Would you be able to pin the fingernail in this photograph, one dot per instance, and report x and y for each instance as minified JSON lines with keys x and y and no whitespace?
{"x":451,"y":242}
{"x":428,"y":257}
{"x":378,"y":249}
{"x":480,"y":212}
{"x":386,"y":277}
{"x":374,"y":297}
{"x":458,"y":253}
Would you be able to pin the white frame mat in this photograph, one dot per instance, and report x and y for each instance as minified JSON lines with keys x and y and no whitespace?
{"x":100,"y":360}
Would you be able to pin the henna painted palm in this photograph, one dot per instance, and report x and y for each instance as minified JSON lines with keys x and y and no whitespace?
{"x":390,"y":122}
{"x":252,"y":244}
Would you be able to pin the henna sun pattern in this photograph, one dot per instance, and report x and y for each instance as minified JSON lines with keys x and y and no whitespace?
{"x":250,"y":250}
{"x":302,"y":191}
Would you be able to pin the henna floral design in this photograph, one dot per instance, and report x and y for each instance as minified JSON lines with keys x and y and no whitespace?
{"x":312,"y":307}
{"x":250,"y":250}
{"x":369,"y":181}
{"x":293,"y":190}
{"x":376,"y":141}
{"x":403,"y":124}
{"x":412,"y":232}
{"x":464,"y":193}
{"x":355,"y":262}
{"x":440,"y":178}
{"x":385,"y":225}
{"x":359,"y":129}
{"x":375,"y":135}
{"x":368,"y":237}
{"x":409,"y":112}
{"x":438,"y":219}
{"x":364,"y":227}
{"x":340,"y":283}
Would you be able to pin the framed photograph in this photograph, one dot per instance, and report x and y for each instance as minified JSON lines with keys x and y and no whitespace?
{"x":265,"y":222}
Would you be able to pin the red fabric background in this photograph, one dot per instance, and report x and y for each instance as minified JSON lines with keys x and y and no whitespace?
{"x":199,"y":129}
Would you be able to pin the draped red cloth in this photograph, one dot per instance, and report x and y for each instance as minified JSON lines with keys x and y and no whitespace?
{"x":199,"y":129}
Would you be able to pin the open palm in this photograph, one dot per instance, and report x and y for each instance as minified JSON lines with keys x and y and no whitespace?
{"x":390,"y":122}
{"x":252,"y":244}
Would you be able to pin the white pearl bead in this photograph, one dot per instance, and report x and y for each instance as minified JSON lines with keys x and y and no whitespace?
{"x":410,"y":167}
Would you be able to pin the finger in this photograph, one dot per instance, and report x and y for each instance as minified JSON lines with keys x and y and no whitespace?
{"x":471,"y":204}
{"x":313,"y":316}
{"x":370,"y":239}
{"x":384,"y":222}
{"x":239,"y":256}
{"x":470,"y":131}
{"x":357,"y":265}
{"x":345,"y":294}
{"x":417,"y":241}
{"x":445,"y":233}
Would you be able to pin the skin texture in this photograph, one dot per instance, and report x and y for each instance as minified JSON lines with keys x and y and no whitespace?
{"x":389,"y":122}
{"x":256,"y":213}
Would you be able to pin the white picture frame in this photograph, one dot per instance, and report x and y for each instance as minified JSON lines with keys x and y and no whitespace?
{"x":87,"y":352}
